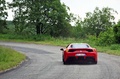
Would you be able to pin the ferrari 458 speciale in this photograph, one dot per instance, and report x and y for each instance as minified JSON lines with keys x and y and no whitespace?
{"x":79,"y":52}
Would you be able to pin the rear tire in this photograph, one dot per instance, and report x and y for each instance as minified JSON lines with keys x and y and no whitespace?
{"x":95,"y":62}
{"x":91,"y":60}
{"x":64,"y":62}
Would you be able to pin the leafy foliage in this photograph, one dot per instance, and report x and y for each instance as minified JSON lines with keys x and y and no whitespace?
{"x":51,"y":18}
{"x":117,"y":32}
{"x":78,"y":29}
{"x":99,"y":20}
{"x":3,"y":15}
{"x":115,"y":47}
{"x":106,"y":38}
{"x":43,"y":17}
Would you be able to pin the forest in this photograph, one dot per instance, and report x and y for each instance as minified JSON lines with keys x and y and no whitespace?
{"x":46,"y":19}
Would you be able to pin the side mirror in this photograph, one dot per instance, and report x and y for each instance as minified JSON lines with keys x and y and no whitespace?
{"x":62,"y":49}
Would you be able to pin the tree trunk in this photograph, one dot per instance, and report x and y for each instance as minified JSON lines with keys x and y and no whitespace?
{"x":38,"y":29}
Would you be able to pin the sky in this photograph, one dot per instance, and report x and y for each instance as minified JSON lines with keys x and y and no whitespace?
{"x":81,"y":7}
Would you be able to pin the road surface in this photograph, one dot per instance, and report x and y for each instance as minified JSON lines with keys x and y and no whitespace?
{"x":45,"y":62}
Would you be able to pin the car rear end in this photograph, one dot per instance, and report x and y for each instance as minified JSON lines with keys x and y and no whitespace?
{"x":81,"y":54}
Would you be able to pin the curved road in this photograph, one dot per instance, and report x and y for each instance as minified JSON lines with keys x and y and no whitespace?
{"x":45,"y":63}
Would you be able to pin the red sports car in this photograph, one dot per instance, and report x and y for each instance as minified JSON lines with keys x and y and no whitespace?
{"x":81,"y":52}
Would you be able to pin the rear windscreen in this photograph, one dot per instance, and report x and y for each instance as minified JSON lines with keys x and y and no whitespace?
{"x":79,"y":46}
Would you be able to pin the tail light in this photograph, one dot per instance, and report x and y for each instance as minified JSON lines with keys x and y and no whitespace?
{"x":84,"y":50}
{"x":89,"y":50}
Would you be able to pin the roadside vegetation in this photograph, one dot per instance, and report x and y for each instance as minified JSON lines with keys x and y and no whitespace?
{"x":62,"y":41}
{"x":48,"y":22}
{"x":9,"y":58}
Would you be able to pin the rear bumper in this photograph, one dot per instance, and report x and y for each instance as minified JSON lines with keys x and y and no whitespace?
{"x":86,"y":57}
{"x":81,"y":59}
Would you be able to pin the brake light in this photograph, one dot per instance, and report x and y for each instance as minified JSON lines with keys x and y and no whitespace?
{"x":89,"y":50}
{"x":71,"y":50}
{"x":83,"y":50}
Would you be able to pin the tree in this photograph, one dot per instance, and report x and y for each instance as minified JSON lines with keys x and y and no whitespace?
{"x":99,"y":20}
{"x":106,"y":38}
{"x":78,"y":28}
{"x":20,"y":15}
{"x":49,"y":16}
{"x":45,"y":16}
{"x":116,"y":30}
{"x":3,"y":15}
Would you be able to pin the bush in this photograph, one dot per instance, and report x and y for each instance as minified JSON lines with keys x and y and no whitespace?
{"x":116,"y":30}
{"x":106,"y":38}
{"x":115,"y":47}
{"x":26,"y":37}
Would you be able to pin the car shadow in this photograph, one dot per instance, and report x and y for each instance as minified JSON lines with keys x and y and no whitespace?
{"x":74,"y":63}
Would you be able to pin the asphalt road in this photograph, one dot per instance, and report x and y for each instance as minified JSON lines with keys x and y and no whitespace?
{"x":45,"y":63}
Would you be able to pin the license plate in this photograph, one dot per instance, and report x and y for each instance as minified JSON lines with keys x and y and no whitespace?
{"x":80,"y":55}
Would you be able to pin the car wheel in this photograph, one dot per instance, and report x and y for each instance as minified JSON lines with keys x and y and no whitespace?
{"x":64,"y":62}
{"x":95,"y":62}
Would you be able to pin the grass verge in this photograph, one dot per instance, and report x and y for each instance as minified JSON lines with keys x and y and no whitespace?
{"x":42,"y":39}
{"x":9,"y":58}
{"x":112,"y":49}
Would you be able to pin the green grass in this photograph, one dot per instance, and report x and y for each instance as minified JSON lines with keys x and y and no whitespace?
{"x":109,"y":49}
{"x":43,"y":39}
{"x":9,"y":58}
